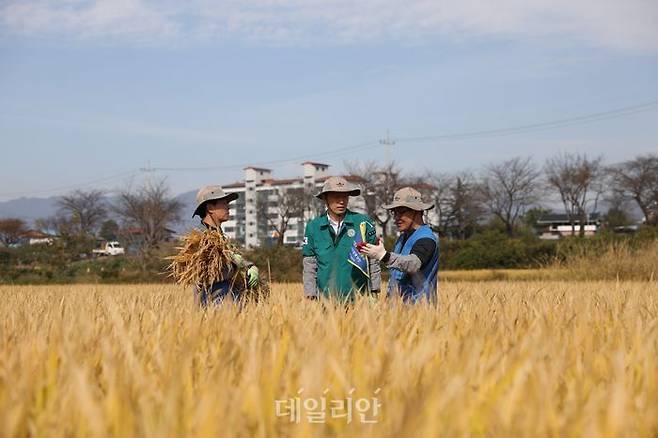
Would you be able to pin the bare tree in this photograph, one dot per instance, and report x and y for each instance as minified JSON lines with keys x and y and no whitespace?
{"x":637,"y":179}
{"x":60,"y":225}
{"x":435,"y":187}
{"x":312,"y":206}
{"x":11,"y":230}
{"x":290,"y":203}
{"x":463,"y":205}
{"x":67,"y":229}
{"x":577,"y":179}
{"x":509,"y":188}
{"x":86,"y":209}
{"x":150,"y":209}
{"x":379,"y":185}
{"x":457,"y":202}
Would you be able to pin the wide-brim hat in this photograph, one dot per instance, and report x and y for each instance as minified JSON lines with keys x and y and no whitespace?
{"x":338,"y":184}
{"x":211,"y":193}
{"x":410,"y":198}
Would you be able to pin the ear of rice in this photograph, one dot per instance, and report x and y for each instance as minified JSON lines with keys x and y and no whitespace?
{"x":205,"y":258}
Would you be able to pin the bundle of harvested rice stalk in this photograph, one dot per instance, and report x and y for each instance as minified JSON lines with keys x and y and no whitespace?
{"x":207,"y":257}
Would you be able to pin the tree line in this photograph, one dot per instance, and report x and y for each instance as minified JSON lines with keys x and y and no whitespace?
{"x":485,"y":217}
{"x":140,"y":217}
{"x":510,"y":194}
{"x":519,"y":190}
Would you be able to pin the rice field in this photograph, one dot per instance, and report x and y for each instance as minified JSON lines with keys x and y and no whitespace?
{"x":496,"y":358}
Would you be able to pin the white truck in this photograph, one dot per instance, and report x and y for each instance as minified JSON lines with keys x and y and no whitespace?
{"x":111,"y":248}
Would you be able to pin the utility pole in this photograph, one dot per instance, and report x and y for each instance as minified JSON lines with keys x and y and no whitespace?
{"x":150,"y":171}
{"x":388,"y":142}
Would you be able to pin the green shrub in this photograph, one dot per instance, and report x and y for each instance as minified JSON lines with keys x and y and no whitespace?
{"x":282,"y":263}
{"x":495,"y":250}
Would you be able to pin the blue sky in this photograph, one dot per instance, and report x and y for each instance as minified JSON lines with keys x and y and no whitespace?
{"x":93,"y":91}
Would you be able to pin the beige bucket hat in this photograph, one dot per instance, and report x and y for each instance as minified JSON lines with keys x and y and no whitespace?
{"x":340,"y":185}
{"x":410,"y":198}
{"x":211,"y":193}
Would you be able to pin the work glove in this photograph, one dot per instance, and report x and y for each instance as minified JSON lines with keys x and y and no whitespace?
{"x":253,"y":276}
{"x":376,"y":252}
{"x":238,"y":260}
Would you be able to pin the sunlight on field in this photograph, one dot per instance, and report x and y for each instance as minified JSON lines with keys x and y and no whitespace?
{"x":501,"y":358}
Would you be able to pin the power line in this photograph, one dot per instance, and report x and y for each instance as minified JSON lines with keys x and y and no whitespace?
{"x":387,"y":143}
{"x":559,"y":123}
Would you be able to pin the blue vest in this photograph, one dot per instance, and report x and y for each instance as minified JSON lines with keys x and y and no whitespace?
{"x":422,"y":284}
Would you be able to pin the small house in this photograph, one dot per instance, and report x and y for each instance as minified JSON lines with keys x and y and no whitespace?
{"x":554,"y":226}
{"x":36,"y":237}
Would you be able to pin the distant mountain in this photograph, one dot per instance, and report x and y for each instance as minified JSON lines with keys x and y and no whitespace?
{"x":189,"y":202}
{"x":29,"y":209}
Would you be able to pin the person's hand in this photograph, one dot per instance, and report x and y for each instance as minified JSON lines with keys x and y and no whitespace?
{"x":253,"y":276}
{"x":374,"y":251}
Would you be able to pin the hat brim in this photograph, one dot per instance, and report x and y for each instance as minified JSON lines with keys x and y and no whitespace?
{"x":230,"y":197}
{"x":355,"y":192}
{"x":421,"y":206}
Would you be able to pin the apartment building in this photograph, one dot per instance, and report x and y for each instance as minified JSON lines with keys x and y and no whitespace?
{"x":264,"y":203}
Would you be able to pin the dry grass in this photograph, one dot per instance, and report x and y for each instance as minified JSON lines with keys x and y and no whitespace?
{"x":479,"y":275}
{"x":496,"y":358}
{"x":616,"y":261}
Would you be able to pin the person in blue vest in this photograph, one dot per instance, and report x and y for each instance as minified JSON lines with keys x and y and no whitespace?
{"x":212,"y":206}
{"x":414,"y":262}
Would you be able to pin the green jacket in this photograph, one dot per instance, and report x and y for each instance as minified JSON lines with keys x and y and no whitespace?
{"x":334,"y":275}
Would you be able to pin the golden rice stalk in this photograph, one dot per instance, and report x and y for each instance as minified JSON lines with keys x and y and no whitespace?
{"x":203,"y":259}
{"x":206,"y":258}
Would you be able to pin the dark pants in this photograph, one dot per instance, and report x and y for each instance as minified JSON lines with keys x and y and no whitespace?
{"x":216,"y":294}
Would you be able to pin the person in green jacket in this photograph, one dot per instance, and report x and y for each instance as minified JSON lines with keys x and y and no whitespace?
{"x":327,"y":243}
